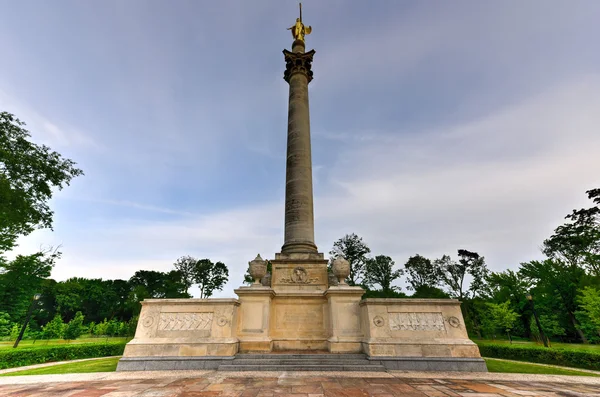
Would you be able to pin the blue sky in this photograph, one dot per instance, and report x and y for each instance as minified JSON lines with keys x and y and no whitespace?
{"x":435,"y":125}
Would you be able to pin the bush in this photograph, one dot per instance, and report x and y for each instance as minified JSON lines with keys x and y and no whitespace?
{"x":28,"y":356}
{"x":543,"y":355}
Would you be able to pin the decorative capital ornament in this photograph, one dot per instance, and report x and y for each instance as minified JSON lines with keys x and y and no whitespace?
{"x":298,"y":62}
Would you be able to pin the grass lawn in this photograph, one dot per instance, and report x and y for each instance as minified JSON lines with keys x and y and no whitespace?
{"x":100,"y":365}
{"x":53,"y":342}
{"x":528,"y":368}
{"x":570,"y":346}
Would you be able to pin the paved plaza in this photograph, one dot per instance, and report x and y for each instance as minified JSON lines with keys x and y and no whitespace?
{"x":271,"y":384}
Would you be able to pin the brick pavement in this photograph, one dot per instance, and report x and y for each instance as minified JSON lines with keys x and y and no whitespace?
{"x":221,"y":384}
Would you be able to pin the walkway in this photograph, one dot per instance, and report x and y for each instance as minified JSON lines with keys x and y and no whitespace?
{"x":272,"y":384}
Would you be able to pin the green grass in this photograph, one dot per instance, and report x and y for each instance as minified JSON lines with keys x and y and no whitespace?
{"x":570,"y":346}
{"x":54,"y":342}
{"x":100,"y":365}
{"x":527,"y":368}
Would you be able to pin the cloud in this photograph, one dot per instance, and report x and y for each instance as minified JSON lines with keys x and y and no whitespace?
{"x":497,"y":185}
{"x":434,"y":128}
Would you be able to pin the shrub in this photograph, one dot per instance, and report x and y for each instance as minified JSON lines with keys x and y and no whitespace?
{"x":557,"y":356}
{"x":28,"y":356}
{"x":74,"y":328}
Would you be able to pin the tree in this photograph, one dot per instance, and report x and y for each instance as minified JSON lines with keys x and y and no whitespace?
{"x":379,"y":270}
{"x":5,"y":324}
{"x":589,"y":315}
{"x":210,"y":277}
{"x":559,"y":281}
{"x":421,"y":273}
{"x":55,"y":328}
{"x":355,"y":251}
{"x":510,"y":286}
{"x":577,"y":242}
{"x":28,"y":174}
{"x":453,"y":273}
{"x":501,"y":316}
{"x":186,"y":266}
{"x":150,"y":284}
{"x":22,"y":278}
{"x":74,"y":328}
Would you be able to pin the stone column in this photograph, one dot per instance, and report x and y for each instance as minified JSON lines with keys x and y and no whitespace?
{"x":299,"y":218}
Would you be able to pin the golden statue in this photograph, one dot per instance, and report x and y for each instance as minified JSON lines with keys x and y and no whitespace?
{"x":299,"y":30}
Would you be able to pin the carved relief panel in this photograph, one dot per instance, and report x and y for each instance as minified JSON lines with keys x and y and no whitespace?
{"x":416,"y":321}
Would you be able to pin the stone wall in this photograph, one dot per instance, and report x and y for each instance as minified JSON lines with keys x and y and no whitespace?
{"x":185,"y":327}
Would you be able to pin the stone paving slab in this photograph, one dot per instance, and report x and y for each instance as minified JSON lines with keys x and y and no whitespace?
{"x":296,"y":384}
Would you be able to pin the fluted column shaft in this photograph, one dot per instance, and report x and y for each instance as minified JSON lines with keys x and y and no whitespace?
{"x":299,"y":217}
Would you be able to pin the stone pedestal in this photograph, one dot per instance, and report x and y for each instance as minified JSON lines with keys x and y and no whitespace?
{"x":255,"y":318}
{"x":418,"y":334}
{"x":345,"y":332}
{"x":182,"y":334}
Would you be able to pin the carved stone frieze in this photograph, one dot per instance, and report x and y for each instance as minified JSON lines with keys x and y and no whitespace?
{"x":298,"y":276}
{"x":416,"y":321}
{"x":185,"y":321}
{"x":298,"y":62}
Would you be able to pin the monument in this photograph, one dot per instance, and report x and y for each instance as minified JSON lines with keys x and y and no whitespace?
{"x":300,"y":308}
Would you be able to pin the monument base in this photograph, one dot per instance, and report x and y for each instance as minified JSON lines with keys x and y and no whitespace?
{"x":285,"y":325}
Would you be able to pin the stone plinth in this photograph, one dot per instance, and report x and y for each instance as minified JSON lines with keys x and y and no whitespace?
{"x":253,"y":327}
{"x":299,"y":320}
{"x":185,"y":327}
{"x":429,"y":330}
{"x":345,"y":331}
{"x":299,"y":272}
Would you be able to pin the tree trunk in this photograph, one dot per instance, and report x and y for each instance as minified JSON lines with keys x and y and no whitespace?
{"x":509,"y":338}
{"x":579,"y":331}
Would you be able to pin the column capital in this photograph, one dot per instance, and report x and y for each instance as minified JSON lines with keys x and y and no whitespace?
{"x":298,"y":62}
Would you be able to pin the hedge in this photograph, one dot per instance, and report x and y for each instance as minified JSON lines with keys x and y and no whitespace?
{"x":11,"y":358}
{"x":543,"y":355}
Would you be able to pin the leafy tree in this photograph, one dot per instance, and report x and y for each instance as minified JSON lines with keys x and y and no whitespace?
{"x":453,"y":273}
{"x":379,"y":270}
{"x":28,"y":174}
{"x":428,"y":292}
{"x":55,"y":328}
{"x":510,"y":286}
{"x":150,"y":284}
{"x":5,"y":324}
{"x":22,"y":278}
{"x":210,"y":277}
{"x":589,"y":315}
{"x":577,"y":242}
{"x":14,"y":331}
{"x":559,"y":281}
{"x":186,"y":265}
{"x":355,"y":251}
{"x":74,"y":328}
{"x":421,"y":273}
{"x":501,"y":316}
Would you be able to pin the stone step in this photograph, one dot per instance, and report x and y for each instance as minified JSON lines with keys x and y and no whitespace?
{"x":302,"y":367}
{"x":340,"y":356}
{"x":275,"y":361}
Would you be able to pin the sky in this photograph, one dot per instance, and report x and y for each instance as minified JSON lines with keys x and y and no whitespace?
{"x":436,"y":126}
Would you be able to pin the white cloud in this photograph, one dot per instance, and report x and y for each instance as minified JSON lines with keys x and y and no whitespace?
{"x":497,"y":185}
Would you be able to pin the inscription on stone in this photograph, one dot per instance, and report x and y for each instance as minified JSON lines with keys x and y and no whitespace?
{"x":416,"y":322}
{"x":185,"y":321}
{"x":302,"y":320}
